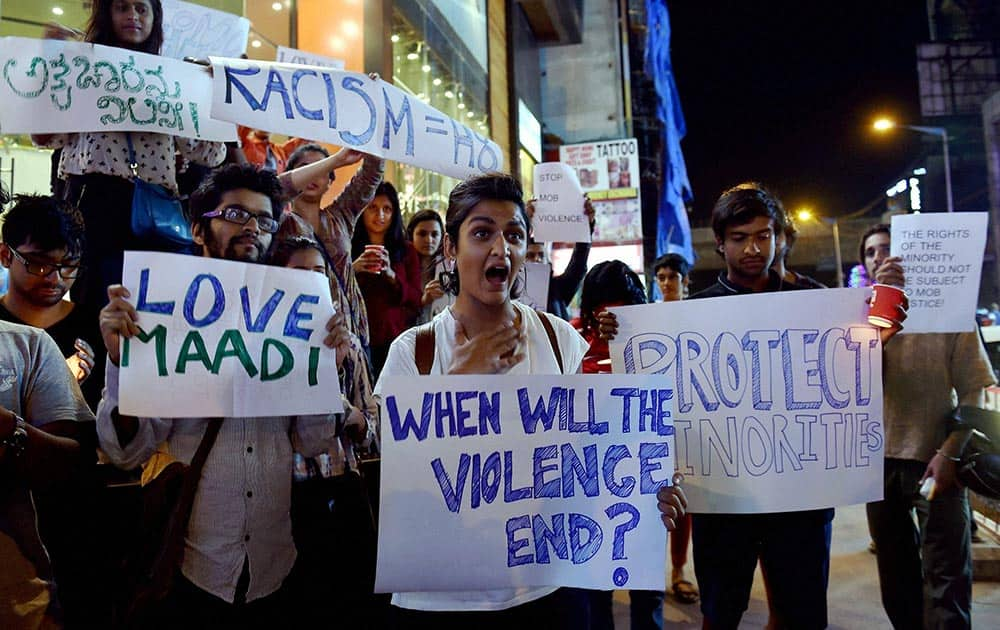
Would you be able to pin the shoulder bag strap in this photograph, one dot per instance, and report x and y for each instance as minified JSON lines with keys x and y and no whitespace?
{"x":424,"y":350}
{"x":551,"y":332}
{"x":132,"y":164}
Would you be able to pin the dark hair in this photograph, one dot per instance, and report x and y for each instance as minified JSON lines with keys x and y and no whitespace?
{"x":672,"y":261}
{"x":878,"y":228}
{"x":743,"y":203}
{"x":100,"y":30}
{"x":233,"y":177}
{"x":395,"y":238}
{"x":420,"y":217}
{"x":608,"y":282}
{"x":48,"y":222}
{"x":300,"y":152}
{"x":283,"y":250}
{"x":470,"y":193}
{"x":791,"y":233}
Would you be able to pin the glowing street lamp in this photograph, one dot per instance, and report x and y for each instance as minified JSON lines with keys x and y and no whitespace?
{"x":883,"y":125}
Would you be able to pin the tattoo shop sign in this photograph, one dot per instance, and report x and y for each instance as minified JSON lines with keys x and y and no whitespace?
{"x":191,"y":30}
{"x":53,"y":86}
{"x":524,"y":481}
{"x":778,"y":402}
{"x":352,"y":110}
{"x":224,"y":338}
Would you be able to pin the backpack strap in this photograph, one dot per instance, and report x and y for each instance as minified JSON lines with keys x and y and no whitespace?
{"x":423,"y":353}
{"x":550,"y":331}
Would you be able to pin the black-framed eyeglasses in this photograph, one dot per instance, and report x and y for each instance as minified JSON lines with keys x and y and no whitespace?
{"x":35,"y":268}
{"x":242,"y":216}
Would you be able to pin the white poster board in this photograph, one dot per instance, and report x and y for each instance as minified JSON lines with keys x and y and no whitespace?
{"x":609,"y":173}
{"x":55,"y":86}
{"x":536,"y":286}
{"x":942,"y":261}
{"x":225,"y":338}
{"x":778,"y":398}
{"x":559,"y":212}
{"x":191,"y":30}
{"x":523,"y":481}
{"x":349,"y":109}
{"x":301,"y":57}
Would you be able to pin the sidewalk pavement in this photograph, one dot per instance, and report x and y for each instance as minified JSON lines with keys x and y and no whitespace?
{"x":853,"y":595}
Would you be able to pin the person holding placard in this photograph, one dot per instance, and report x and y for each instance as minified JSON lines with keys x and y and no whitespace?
{"x":97,"y":166}
{"x":238,"y":549}
{"x":425,"y":230}
{"x":487,"y":332}
{"x":563,"y":287}
{"x":925,"y":567}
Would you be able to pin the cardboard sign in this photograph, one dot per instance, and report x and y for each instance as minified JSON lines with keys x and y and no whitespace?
{"x":559,"y":214}
{"x":191,"y":30}
{"x":523,"y":481}
{"x":778,"y":398}
{"x":536,"y":287}
{"x":301,"y":57}
{"x":349,"y":109}
{"x":225,"y":338}
{"x":54,"y":86}
{"x":609,"y":173}
{"x":942,"y":261}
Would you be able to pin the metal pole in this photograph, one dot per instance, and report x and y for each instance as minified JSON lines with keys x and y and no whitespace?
{"x":836,"y":253}
{"x":947,"y":172}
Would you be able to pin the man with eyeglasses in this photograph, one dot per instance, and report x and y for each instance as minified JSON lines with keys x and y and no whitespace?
{"x":238,"y":549}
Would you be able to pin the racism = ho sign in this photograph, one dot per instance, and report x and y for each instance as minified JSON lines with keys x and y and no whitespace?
{"x":352,"y":110}
{"x":525,"y":481}
{"x":778,"y":396}
{"x":225,"y":338}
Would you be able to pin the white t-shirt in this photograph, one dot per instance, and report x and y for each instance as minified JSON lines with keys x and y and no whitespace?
{"x":539,"y":360}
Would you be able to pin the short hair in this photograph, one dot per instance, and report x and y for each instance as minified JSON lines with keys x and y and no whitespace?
{"x":424,"y":215}
{"x":672,"y":261}
{"x":46,"y":221}
{"x":233,"y":177}
{"x":470,"y":193}
{"x":395,"y":237}
{"x":743,"y":203}
{"x":100,"y":30}
{"x":300,"y":153}
{"x":608,"y":282}
{"x":878,"y":228}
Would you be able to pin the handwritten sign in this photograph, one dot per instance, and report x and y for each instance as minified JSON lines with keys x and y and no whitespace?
{"x":943,"y":260}
{"x":191,"y":30}
{"x":349,"y":109}
{"x":778,"y":399}
{"x":608,"y":172}
{"x":53,"y":86}
{"x":536,"y":286}
{"x":225,"y":338}
{"x":301,"y":57}
{"x":529,"y":480}
{"x":559,"y":214}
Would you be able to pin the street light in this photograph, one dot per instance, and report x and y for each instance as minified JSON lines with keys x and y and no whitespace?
{"x":806,"y":215}
{"x":887,"y":124}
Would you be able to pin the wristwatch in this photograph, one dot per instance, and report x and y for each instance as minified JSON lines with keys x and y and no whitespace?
{"x":18,"y":439}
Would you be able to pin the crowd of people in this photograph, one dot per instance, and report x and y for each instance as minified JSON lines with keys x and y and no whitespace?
{"x":282,"y":519}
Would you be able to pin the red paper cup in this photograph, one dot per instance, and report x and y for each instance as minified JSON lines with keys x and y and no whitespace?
{"x":378,"y":250}
{"x":883,"y":311}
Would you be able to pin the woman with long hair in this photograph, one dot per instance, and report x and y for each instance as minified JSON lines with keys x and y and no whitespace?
{"x":426,"y":232}
{"x":388,"y":270}
{"x":96,"y":166}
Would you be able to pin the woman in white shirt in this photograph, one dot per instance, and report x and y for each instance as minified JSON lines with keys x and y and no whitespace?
{"x":486,"y":332}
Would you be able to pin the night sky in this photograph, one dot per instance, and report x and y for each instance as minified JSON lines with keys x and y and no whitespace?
{"x":785,"y":92}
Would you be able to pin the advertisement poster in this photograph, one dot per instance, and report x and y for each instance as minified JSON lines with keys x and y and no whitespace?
{"x":609,"y":173}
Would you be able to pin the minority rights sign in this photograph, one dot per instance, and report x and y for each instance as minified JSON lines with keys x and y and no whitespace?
{"x":537,"y":480}
{"x":349,"y":109}
{"x":778,"y":396}
{"x":224,"y":338}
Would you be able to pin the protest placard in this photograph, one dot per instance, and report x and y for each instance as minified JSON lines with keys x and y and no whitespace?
{"x":559,"y":214}
{"x":523,"y":481}
{"x":54,"y":86}
{"x":608,"y":172}
{"x":942,"y":261}
{"x":778,"y":398}
{"x":536,"y":286}
{"x":226,"y":338}
{"x":301,"y":57}
{"x":349,"y":109}
{"x":191,"y":30}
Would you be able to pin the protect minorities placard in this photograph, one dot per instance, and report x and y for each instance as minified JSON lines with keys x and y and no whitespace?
{"x":778,"y":396}
{"x":503,"y":481}
{"x":349,"y":109}
{"x":225,"y":338}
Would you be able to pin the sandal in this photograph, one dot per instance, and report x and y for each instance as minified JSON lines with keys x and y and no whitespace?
{"x":684,"y":592}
